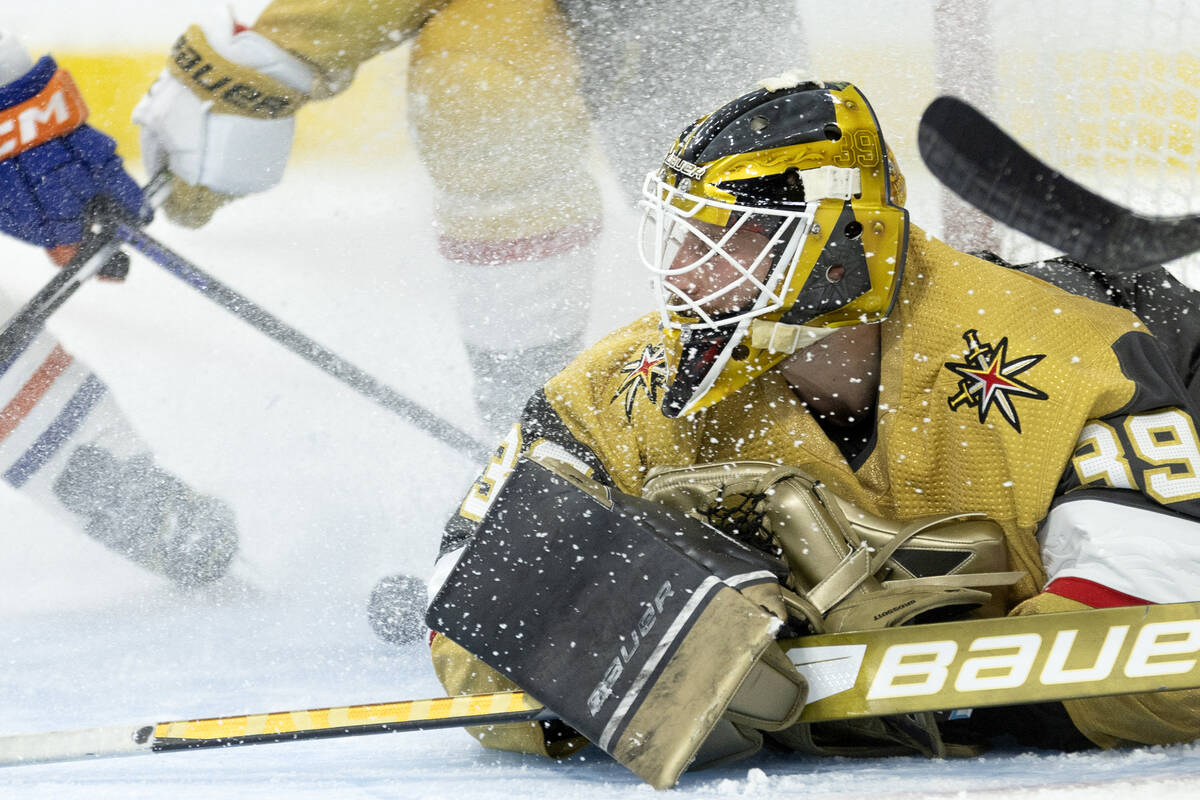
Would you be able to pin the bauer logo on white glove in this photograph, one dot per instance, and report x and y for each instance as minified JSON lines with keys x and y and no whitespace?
{"x":220,"y":117}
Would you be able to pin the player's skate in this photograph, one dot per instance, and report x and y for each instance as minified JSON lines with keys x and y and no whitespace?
{"x":148,"y":515}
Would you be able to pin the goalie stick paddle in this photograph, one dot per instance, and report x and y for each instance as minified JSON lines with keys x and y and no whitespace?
{"x":937,"y":667}
{"x":987,"y":168}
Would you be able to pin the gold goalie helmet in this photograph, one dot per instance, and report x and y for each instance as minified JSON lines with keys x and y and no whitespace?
{"x":773,"y":220}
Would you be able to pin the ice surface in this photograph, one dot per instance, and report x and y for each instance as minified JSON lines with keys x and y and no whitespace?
{"x":332,"y":493}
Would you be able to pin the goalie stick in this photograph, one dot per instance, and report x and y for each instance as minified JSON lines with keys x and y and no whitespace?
{"x":987,"y":168}
{"x":936,"y":667}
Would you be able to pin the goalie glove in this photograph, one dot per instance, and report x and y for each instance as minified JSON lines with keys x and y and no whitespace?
{"x":53,"y":166}
{"x":220,"y":118}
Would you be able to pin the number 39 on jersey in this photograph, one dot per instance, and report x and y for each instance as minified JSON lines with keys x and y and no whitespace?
{"x":1156,"y":453}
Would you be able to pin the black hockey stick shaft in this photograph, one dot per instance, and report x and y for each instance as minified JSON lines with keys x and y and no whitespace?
{"x":97,"y":248}
{"x":986,"y":167}
{"x":23,"y":326}
{"x":303,"y":346}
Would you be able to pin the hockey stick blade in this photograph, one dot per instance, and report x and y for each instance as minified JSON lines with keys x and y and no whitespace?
{"x":937,"y":667}
{"x":987,"y":168}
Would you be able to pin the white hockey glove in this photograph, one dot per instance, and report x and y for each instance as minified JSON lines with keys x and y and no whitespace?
{"x":220,"y":117}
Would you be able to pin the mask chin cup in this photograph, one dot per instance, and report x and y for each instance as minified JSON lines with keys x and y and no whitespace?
{"x":781,"y":337}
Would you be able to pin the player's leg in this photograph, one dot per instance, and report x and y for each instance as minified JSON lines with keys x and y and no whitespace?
{"x":647,"y":64}
{"x":66,"y":444}
{"x":502,"y":129}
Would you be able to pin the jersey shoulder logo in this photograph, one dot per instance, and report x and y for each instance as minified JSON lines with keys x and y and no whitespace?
{"x":987,"y":379}
{"x":647,"y":373}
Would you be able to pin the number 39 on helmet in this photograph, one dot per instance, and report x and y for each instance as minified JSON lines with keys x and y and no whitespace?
{"x":773,"y":221}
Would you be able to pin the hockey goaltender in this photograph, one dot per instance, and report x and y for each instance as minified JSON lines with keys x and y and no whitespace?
{"x":835,"y":422}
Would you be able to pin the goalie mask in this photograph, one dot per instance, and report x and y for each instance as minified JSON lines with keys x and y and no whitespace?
{"x":773,"y":221}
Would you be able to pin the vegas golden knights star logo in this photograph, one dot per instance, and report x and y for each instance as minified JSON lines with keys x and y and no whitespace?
{"x":648,"y":373}
{"x":988,"y":379}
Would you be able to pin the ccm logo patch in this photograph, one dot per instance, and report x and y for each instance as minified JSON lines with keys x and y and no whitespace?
{"x":1007,"y":662}
{"x":56,"y":109}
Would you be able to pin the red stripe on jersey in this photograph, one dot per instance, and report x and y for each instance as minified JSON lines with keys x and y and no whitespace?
{"x":510,"y":251}
{"x":1093,"y":594}
{"x":33,"y":390}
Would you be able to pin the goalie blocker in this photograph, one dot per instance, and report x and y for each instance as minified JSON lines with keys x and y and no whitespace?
{"x":633,"y":624}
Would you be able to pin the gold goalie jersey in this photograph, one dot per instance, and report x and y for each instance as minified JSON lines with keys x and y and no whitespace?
{"x":999,"y":394}
{"x":990,"y":380}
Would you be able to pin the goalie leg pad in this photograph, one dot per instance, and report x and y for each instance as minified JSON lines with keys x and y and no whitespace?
{"x":834,"y":563}
{"x":770,"y":699}
{"x":772,"y":696}
{"x":620,"y":615}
